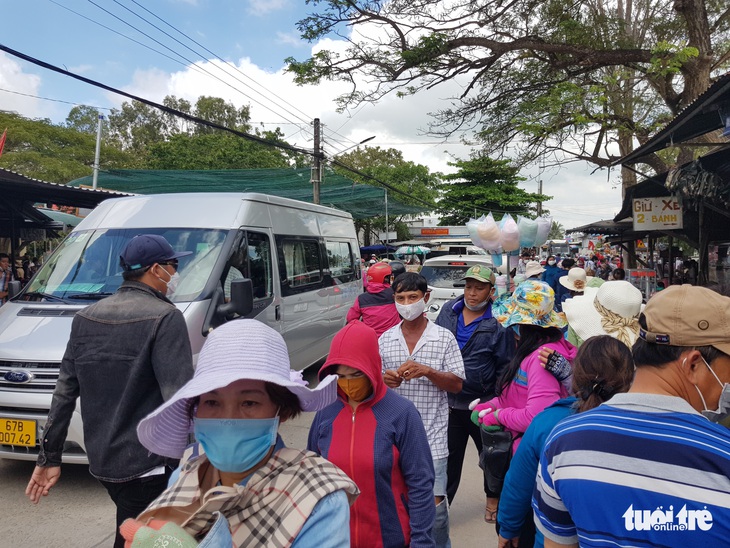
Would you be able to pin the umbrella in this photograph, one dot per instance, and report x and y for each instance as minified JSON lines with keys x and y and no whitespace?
{"x":412,"y":250}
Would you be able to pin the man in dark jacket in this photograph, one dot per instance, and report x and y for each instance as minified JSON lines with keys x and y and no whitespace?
{"x":486,"y":348}
{"x":127,"y":354}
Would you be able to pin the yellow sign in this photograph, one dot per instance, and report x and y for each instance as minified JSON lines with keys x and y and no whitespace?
{"x":17,"y":432}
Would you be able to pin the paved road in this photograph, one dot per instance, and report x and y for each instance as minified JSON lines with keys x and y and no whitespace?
{"x":79,"y":513}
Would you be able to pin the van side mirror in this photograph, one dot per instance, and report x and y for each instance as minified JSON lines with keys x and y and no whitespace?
{"x":13,"y":289}
{"x":241,"y":302}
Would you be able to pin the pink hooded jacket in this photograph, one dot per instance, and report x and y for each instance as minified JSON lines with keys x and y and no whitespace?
{"x":530,"y":392}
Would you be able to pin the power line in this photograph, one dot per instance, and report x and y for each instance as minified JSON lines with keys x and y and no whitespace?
{"x":307,"y":116}
{"x":54,"y":100}
{"x":163,"y":108}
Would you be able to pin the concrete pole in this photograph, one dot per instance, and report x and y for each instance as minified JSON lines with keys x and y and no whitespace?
{"x":386,"y":221}
{"x":316,"y":163}
{"x":98,"y":150}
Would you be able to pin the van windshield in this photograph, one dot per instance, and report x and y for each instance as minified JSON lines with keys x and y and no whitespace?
{"x":86,"y":264}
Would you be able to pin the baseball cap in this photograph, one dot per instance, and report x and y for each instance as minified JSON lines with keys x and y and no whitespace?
{"x":687,"y":315}
{"x":481,"y":274}
{"x":147,"y":249}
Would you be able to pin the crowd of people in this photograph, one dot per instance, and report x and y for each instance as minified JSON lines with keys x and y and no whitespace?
{"x":599,"y":420}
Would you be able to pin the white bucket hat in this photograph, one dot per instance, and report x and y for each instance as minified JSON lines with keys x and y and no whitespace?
{"x":612,"y":309}
{"x":576,"y":280}
{"x":533,"y":268}
{"x":239,"y":349}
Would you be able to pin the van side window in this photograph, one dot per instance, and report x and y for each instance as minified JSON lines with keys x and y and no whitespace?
{"x":341,"y":263}
{"x":252,"y":259}
{"x":300,"y":264}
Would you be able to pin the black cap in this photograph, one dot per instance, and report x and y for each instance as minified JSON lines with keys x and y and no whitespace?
{"x":147,"y":249}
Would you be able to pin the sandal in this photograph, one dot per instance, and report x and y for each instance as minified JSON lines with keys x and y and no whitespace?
{"x":490,"y":516}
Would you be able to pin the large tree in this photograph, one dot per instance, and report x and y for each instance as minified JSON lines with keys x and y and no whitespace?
{"x":588,"y":79}
{"x":414,"y":181}
{"x":55,"y":153}
{"x":483,"y":184}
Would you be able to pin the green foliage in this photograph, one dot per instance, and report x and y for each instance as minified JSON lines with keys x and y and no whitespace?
{"x":389,"y":166}
{"x":557,"y":231}
{"x":55,"y":153}
{"x":213,"y":151}
{"x":484,"y":184}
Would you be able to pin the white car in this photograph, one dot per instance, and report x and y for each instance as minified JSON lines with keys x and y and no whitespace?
{"x":444,"y":275}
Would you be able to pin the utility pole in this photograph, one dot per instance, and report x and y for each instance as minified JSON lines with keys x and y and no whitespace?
{"x":316,"y":163}
{"x":386,"y":221}
{"x":539,"y":191}
{"x":98,"y":150}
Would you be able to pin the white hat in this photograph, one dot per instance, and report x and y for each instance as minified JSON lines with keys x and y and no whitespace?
{"x":612,"y":309}
{"x":576,"y":279}
{"x":239,"y":349}
{"x":533,"y":268}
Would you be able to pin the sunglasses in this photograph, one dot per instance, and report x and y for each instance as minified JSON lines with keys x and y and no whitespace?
{"x":173,"y":264}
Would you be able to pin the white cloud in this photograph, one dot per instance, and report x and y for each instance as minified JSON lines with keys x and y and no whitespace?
{"x":264,"y":7}
{"x":80,"y":69}
{"x":17,"y":85}
{"x":290,"y":38}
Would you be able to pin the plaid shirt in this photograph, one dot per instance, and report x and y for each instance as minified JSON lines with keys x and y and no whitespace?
{"x":269,"y":510}
{"x":6,"y":276}
{"x":437,"y":348}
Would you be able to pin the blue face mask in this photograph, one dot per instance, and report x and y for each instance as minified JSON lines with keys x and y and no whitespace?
{"x":236,"y":445}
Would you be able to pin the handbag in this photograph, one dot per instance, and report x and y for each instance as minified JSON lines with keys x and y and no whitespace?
{"x":495,"y":457}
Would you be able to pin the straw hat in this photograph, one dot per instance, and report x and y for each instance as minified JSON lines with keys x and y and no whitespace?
{"x":532,"y":304}
{"x":576,"y":280}
{"x":612,"y":309}
{"x":239,"y":349}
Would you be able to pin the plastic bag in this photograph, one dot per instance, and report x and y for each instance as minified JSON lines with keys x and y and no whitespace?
{"x":489,"y":233}
{"x":543,"y":229}
{"x":510,"y":233}
{"x":472,"y":227}
{"x":528,"y":231}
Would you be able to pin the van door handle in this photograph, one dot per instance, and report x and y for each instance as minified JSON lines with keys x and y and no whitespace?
{"x":277,"y":312}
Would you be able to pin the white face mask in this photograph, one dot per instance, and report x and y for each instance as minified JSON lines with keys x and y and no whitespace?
{"x":410,"y":312}
{"x":171,"y":284}
{"x":723,"y":404}
{"x":477,"y":307}
{"x":551,"y":263}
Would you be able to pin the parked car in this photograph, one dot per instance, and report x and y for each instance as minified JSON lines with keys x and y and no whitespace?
{"x":444,"y":275}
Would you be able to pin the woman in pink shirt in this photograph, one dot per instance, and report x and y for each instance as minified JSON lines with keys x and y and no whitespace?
{"x":525,"y":387}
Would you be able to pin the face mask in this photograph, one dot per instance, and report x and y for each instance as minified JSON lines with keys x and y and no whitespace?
{"x":357,"y":388}
{"x":723,"y":404}
{"x":477,"y":307}
{"x":171,"y":284}
{"x":410,"y":312}
{"x":236,"y":445}
{"x":551,"y":263}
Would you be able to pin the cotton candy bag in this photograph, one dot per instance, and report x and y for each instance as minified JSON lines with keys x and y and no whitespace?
{"x":489,"y":232}
{"x":543,"y":229}
{"x":510,"y":233}
{"x":528,"y":231}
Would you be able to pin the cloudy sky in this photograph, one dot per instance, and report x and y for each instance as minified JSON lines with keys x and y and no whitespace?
{"x":154,"y":48}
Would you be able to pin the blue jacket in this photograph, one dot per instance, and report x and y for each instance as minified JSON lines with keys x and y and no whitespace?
{"x":516,"y":498}
{"x":487,"y":352}
{"x":551,"y":275}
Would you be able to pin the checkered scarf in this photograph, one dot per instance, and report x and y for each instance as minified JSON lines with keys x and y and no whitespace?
{"x":270,"y":509}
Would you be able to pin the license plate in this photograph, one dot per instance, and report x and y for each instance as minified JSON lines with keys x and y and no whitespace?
{"x":17,"y":432}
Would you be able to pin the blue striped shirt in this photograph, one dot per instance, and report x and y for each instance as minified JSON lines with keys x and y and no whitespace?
{"x":642,"y":470}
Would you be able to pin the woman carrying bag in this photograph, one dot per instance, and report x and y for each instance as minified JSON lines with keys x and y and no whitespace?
{"x":525,"y":387}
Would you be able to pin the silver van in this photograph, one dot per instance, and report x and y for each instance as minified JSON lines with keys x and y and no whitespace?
{"x":303,"y":261}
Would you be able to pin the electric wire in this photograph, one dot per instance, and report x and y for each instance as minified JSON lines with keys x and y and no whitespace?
{"x":54,"y":100}
{"x":268,"y":91}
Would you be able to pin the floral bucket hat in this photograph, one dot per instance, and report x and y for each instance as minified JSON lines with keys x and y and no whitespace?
{"x":532,"y":304}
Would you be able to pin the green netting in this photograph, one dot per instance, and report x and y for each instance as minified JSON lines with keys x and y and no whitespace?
{"x":362,"y":201}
